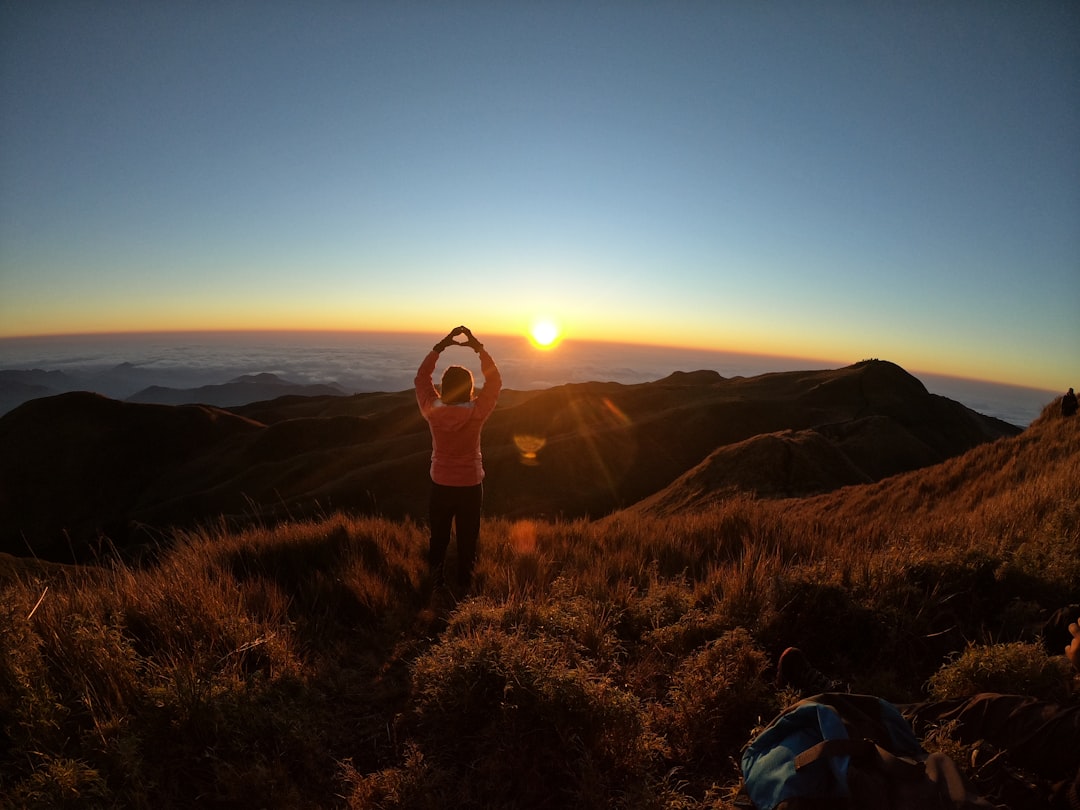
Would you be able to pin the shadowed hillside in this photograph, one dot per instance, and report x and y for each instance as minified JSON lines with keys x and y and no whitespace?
{"x":78,"y":467}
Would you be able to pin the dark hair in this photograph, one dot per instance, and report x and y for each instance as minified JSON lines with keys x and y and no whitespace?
{"x":457,"y":385}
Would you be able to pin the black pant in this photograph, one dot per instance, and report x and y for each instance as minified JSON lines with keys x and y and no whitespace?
{"x":459,"y":506}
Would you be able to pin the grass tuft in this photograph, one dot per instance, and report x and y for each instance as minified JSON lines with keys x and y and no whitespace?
{"x":1016,"y":668}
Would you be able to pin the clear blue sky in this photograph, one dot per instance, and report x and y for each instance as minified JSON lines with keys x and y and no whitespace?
{"x":836,"y":180}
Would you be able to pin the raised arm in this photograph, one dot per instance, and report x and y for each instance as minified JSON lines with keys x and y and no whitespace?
{"x":426,"y":394}
{"x":489,"y":394}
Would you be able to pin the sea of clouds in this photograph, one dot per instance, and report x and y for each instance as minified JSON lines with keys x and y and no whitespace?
{"x":121,"y":365}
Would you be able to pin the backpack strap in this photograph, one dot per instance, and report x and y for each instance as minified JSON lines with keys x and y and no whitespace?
{"x":857,"y":749}
{"x":865,"y":752}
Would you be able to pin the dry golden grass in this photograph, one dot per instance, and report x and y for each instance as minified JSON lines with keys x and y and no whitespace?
{"x":617,"y":663}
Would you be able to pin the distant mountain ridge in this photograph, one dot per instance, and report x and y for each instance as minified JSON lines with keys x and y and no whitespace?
{"x":77,"y":467}
{"x":22,"y":385}
{"x":240,"y":391}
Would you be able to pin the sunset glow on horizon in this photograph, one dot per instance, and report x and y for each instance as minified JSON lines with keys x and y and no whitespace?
{"x":829,"y":182}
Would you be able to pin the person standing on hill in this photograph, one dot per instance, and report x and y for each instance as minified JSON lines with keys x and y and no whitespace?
{"x":1068,"y":403}
{"x":456,"y":417}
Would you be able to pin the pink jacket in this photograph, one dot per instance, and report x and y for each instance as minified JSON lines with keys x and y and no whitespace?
{"x":455,"y":429}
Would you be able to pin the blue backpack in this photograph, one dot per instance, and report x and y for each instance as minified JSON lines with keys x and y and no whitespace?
{"x":838,"y":750}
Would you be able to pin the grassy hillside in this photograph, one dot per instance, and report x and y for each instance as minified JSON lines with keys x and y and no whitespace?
{"x":614,"y":663}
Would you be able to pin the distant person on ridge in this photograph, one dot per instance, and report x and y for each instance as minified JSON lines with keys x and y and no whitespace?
{"x":1068,"y":403}
{"x":457,"y":471}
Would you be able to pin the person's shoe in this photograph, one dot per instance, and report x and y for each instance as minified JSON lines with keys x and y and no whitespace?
{"x":794,"y":670}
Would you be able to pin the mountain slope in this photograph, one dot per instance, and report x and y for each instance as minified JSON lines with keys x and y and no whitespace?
{"x":786,"y":463}
{"x":78,"y":465}
{"x":1028,"y":467}
{"x":608,"y":446}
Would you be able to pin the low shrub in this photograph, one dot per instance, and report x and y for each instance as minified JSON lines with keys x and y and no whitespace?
{"x":716,"y":698}
{"x":1016,"y":668}
{"x":516,"y":716}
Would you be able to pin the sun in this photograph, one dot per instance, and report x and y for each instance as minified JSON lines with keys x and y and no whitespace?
{"x":544,"y":334}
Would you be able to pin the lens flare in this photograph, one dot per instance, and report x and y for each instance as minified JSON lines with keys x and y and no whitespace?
{"x":544,"y":334}
{"x":529,"y":446}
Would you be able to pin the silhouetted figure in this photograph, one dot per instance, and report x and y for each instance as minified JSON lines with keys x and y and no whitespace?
{"x":457,"y":471}
{"x":1068,"y":403}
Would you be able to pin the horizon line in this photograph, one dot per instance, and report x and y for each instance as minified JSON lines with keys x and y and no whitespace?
{"x":826,"y":363}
